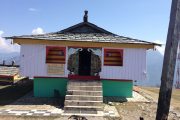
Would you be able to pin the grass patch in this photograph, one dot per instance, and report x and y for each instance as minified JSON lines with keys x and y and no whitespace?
{"x":152,"y":89}
{"x":10,"y":93}
{"x":175,"y":92}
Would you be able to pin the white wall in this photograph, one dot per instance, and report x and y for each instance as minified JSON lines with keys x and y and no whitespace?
{"x":134,"y":64}
{"x":33,"y":61}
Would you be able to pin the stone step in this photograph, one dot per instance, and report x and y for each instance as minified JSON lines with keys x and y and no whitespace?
{"x":99,"y":88}
{"x":83,"y":98}
{"x":82,"y":92}
{"x":82,"y":103}
{"x":83,"y":108}
{"x":80,"y":112}
{"x":84,"y":83}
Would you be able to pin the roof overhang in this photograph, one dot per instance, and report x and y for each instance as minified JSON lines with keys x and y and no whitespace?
{"x":83,"y":43}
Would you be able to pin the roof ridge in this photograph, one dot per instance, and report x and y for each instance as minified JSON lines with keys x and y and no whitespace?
{"x":93,"y":26}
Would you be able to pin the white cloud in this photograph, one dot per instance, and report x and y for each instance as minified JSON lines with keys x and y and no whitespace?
{"x":2,"y":42}
{"x":37,"y":31}
{"x":1,"y":32}
{"x":6,"y":46}
{"x":32,"y":9}
{"x":161,"y":49}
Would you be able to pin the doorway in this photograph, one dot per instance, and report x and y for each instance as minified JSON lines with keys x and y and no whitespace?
{"x":85,"y":62}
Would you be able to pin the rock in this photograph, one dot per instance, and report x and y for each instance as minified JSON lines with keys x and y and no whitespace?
{"x":117,"y":103}
{"x":110,"y":103}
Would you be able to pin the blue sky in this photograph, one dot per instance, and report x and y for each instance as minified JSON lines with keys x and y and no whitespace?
{"x":142,"y":19}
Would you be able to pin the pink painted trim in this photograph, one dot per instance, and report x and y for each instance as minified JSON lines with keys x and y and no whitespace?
{"x":120,"y":80}
{"x":75,"y":77}
{"x":48,"y":77}
{"x":78,"y":77}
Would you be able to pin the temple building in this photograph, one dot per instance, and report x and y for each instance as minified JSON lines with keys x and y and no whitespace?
{"x":82,"y":52}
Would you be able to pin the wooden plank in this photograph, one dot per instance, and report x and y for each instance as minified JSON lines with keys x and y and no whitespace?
{"x":118,"y":61}
{"x":112,"y":63}
{"x":112,"y":58}
{"x":55,"y":52}
{"x":109,"y":54}
{"x":55,"y":61}
{"x":55,"y":69}
{"x":169,"y":62}
{"x":55,"y":56}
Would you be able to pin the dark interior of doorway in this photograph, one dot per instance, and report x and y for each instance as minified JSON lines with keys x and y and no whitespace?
{"x":84,"y":62}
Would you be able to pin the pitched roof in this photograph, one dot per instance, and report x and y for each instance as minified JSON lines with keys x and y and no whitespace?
{"x":84,"y":27}
{"x":84,"y":31}
{"x":87,"y":37}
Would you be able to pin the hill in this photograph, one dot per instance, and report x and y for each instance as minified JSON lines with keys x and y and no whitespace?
{"x":9,"y":57}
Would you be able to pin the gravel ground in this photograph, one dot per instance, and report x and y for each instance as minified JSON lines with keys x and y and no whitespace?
{"x":133,"y":111}
{"x":143,"y":104}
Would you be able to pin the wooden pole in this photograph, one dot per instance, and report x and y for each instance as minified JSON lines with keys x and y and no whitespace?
{"x":169,"y":62}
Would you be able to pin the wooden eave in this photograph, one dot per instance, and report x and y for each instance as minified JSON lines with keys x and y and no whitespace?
{"x":82,"y":43}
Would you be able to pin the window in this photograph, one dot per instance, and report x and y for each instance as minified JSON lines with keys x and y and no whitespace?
{"x":113,"y":57}
{"x":55,"y":55}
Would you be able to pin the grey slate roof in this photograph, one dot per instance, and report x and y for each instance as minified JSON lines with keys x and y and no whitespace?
{"x":85,"y":31}
{"x":92,"y":37}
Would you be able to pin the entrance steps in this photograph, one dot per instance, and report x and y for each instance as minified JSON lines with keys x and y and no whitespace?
{"x":83,"y":97}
